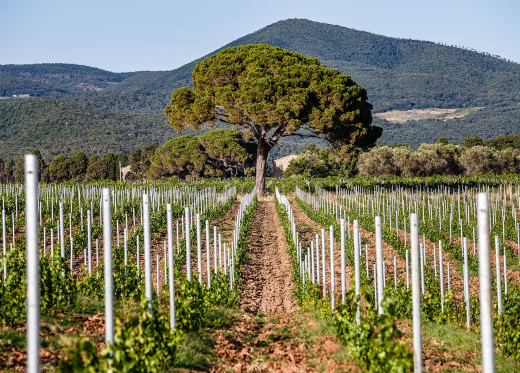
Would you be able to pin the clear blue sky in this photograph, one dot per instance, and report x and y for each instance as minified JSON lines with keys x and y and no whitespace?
{"x":130,"y":35}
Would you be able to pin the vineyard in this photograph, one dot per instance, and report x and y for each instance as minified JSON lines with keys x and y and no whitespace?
{"x":333,"y":274}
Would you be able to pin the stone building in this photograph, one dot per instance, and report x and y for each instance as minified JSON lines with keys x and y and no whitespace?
{"x":280,"y":165}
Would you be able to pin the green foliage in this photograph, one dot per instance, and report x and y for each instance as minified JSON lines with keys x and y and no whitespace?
{"x":82,"y":357}
{"x":316,"y":162}
{"x":220,"y":293}
{"x":279,"y":90}
{"x":60,"y":127}
{"x":438,"y":159}
{"x":142,"y":343}
{"x":507,"y":333}
{"x":140,"y":161}
{"x":375,"y":343}
{"x":57,"y":286}
{"x":473,"y":141}
{"x":190,"y":305}
{"x":270,"y":92}
{"x":12,"y":290}
{"x":219,"y":153}
{"x":59,"y":169}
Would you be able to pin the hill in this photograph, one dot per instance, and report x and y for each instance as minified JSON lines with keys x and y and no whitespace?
{"x":399,"y":74}
{"x":61,"y":127}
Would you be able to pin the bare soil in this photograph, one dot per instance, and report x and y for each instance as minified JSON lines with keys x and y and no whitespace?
{"x":266,"y":282}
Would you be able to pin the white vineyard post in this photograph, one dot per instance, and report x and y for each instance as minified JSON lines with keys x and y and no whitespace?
{"x":342,"y":248}
{"x":505,"y":272}
{"x":107,"y":246}
{"x":422,"y":256}
{"x":332,"y":269}
{"x":215,"y":248}
{"x":312,"y":263}
{"x":395,"y":272}
{"x":317,"y":255}
{"x":220,"y":264}
{"x":441,"y":276}
{"x":4,"y":242}
{"x":199,"y":248}
{"x":466,"y":283}
{"x":407,"y":271}
{"x":165,"y":256}
{"x":188,"y":243}
{"x":137,"y":253}
{"x":357,"y":277}
{"x":52,"y":242}
{"x":498,"y":277}
{"x":323,"y":267}
{"x":448,"y":274}
{"x":33,"y":263}
{"x":416,"y":294}
{"x":147,"y":252}
{"x":89,"y":242}
{"x":170,"y":264}
{"x":208,"y":256}
{"x":125,"y":245}
{"x":486,"y":289}
{"x":158,"y":273}
{"x":62,"y":232}
{"x":366,"y":260}
{"x":379,"y":260}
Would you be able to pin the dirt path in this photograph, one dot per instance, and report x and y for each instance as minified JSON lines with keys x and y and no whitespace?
{"x":266,"y":282}
{"x":286,"y":343}
{"x":271,"y":333}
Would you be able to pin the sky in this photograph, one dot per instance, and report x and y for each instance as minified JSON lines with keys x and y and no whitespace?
{"x":131,"y":35}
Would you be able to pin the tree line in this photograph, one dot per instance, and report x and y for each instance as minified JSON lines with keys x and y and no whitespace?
{"x":221,"y":153}
{"x":499,"y":155}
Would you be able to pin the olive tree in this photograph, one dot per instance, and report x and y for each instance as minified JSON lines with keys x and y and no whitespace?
{"x":270,"y":92}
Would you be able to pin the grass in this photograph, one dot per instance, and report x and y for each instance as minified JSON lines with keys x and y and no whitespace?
{"x":453,"y":343}
{"x":194,"y":351}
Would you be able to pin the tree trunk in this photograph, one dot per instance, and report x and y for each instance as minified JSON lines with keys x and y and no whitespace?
{"x":261,"y":162}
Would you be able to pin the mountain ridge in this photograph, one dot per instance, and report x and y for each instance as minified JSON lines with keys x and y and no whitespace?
{"x":398,"y":73}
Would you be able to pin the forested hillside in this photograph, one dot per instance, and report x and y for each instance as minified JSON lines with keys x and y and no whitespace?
{"x":399,"y":74}
{"x":60,"y":127}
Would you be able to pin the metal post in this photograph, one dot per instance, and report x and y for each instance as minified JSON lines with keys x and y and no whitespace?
{"x":416,"y":294}
{"x":4,"y":242}
{"x":343,"y":275}
{"x":407,"y":271}
{"x":89,"y":243}
{"x":332,"y":269}
{"x":441,"y":275}
{"x":62,"y":232}
{"x":33,"y":263}
{"x":466,"y":282}
{"x":379,"y":259}
{"x":486,"y":289}
{"x":188,"y":243}
{"x":147,"y":251}
{"x":107,"y":246}
{"x":357,"y":276}
{"x":498,"y":277}
{"x":199,"y":248}
{"x":323,"y":267}
{"x":208,"y":256}
{"x":170,"y":264}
